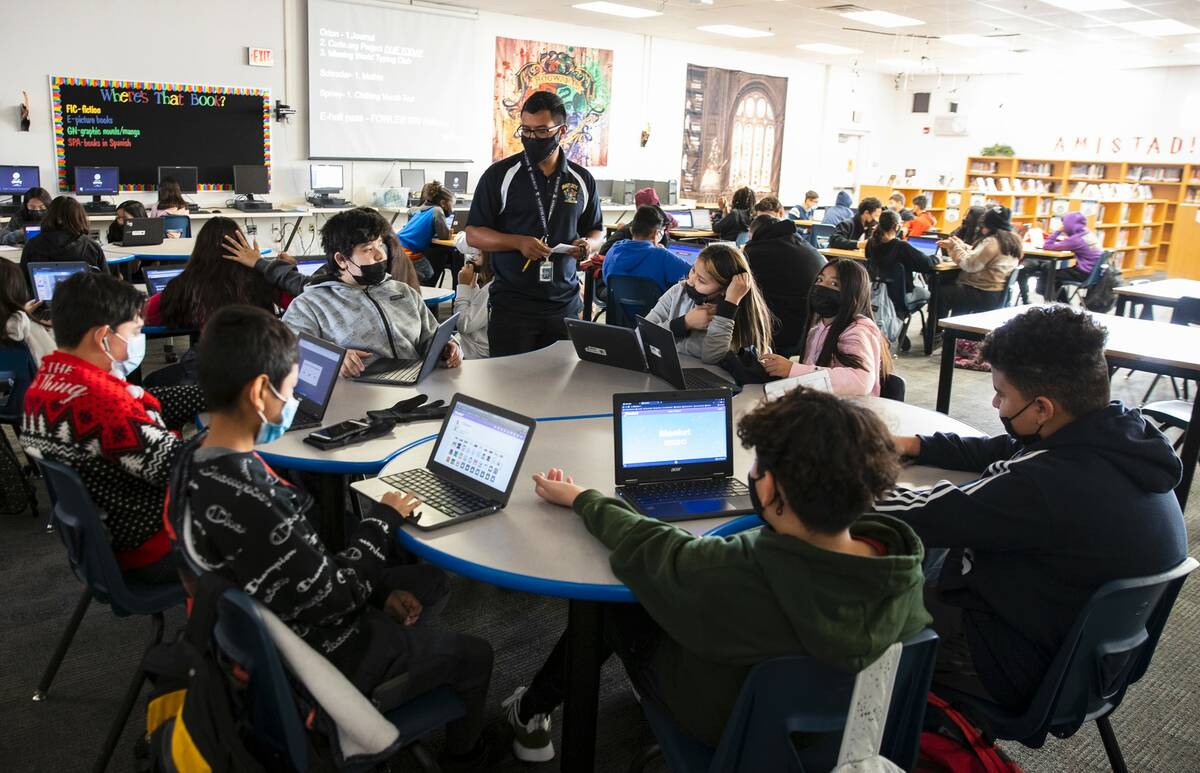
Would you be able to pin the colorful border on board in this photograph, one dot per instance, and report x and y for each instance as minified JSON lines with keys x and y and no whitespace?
{"x":60,"y":149}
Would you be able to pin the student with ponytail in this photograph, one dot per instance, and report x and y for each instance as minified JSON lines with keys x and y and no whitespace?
{"x":717,"y":308}
{"x":841,"y":335}
{"x":894,"y":261}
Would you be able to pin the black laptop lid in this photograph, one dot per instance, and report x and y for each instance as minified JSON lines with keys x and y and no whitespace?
{"x":658,"y":344}
{"x":436,"y":344}
{"x":663,"y":436}
{"x":143,"y":230}
{"x":320,"y":364}
{"x":606,"y":344}
{"x":480,"y":448}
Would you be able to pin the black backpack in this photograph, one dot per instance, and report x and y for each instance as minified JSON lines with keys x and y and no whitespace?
{"x":1102,"y":297}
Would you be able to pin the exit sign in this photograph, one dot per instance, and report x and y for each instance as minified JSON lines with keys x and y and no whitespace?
{"x":260,"y":57}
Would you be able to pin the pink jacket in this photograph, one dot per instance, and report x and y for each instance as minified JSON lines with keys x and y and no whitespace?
{"x":862,"y":338}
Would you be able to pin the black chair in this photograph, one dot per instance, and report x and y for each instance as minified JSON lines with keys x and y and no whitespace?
{"x":790,"y":695}
{"x":17,"y":370}
{"x":1011,"y":292}
{"x":1073,"y":288}
{"x":81,"y":528}
{"x":630,"y":297}
{"x":893,"y":387}
{"x":1186,"y":312}
{"x":1108,"y":649}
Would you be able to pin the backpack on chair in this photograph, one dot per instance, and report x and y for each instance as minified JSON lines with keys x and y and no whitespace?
{"x":1102,"y":297}
{"x":952,"y":743}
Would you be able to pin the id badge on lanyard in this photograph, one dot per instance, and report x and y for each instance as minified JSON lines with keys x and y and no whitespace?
{"x":546,"y":265}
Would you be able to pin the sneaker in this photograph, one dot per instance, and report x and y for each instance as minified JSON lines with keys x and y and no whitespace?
{"x":531,"y":740}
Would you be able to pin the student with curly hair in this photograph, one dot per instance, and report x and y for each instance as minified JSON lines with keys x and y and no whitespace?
{"x":1077,"y":492}
{"x":820,"y":463}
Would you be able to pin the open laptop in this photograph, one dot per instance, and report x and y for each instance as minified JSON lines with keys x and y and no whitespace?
{"x":309,"y":266}
{"x":471,"y":470}
{"x":141,"y":231}
{"x":674,"y":454}
{"x":612,"y":345}
{"x":682,"y":219}
{"x":689,"y":251}
{"x":320,"y":364}
{"x":32,"y":231}
{"x":390,"y":372}
{"x":658,"y":343}
{"x":701,"y":220}
{"x":45,"y":278}
{"x":925,"y":244}
{"x":157,"y":278}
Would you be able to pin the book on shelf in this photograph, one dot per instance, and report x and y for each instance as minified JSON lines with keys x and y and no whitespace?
{"x":1147,"y":235}
{"x":1088,"y":171}
{"x":953,"y":198}
{"x":951,"y":215}
{"x":1148,"y":214}
{"x":1090,"y":208}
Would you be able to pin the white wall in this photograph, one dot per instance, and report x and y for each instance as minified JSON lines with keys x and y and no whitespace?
{"x":143,"y":43}
{"x":1114,"y":115}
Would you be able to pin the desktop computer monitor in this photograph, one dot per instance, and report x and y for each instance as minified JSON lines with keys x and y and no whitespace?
{"x":15,"y":180}
{"x":186,"y":176}
{"x":604,"y":190}
{"x":640,"y":184}
{"x":249,"y":180}
{"x":456,"y":182}
{"x":663,"y":189}
{"x":97,"y":181}
{"x":413,"y":179}
{"x":325,"y":178}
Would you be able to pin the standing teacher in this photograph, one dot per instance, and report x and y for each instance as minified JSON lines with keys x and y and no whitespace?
{"x":524,"y":206}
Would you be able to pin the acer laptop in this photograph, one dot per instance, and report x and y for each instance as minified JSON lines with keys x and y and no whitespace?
{"x":689,"y":251}
{"x":658,"y":344}
{"x":611,"y":345}
{"x":320,"y":364}
{"x":390,"y":372}
{"x":674,"y":454}
{"x":142,"y":231}
{"x":471,"y":470}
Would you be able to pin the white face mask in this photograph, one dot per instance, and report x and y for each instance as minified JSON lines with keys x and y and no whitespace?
{"x":135,"y":352}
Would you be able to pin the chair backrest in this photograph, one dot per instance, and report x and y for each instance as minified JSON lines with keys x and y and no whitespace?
{"x":820,"y":234}
{"x":630,"y":297}
{"x":1010,"y":286}
{"x":1108,"y":649}
{"x":181,"y":223}
{"x":278,"y":729}
{"x":16,"y":365}
{"x":83,"y":533}
{"x":1098,"y":270}
{"x":800,"y":695}
{"x":1186,"y":312}
{"x":893,"y":387}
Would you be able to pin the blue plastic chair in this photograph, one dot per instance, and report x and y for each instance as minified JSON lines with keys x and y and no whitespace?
{"x":274,"y":717}
{"x":893,"y":387}
{"x":1108,"y":649}
{"x":181,"y":223}
{"x":798,"y":695}
{"x":819,"y":235}
{"x":1011,"y":291}
{"x":630,"y":297}
{"x":81,"y":528}
{"x":17,"y":370}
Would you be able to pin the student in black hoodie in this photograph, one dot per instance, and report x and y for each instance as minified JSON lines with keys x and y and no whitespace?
{"x":232,"y":515}
{"x":852,"y":234}
{"x":64,"y":237}
{"x":734,"y":221}
{"x":33,"y":208}
{"x":895,"y":261}
{"x":784,"y":267}
{"x":1077,"y":493}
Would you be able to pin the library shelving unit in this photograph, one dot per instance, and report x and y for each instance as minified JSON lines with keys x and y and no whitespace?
{"x":937,"y":196}
{"x":1139,"y":230}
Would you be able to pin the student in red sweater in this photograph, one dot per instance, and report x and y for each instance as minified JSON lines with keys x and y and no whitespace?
{"x":80,"y":411}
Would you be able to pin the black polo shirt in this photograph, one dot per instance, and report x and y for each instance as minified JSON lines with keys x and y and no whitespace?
{"x":504,"y":201}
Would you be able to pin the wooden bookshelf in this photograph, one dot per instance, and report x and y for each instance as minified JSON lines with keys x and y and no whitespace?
{"x":937,"y":197}
{"x":1141,"y":231}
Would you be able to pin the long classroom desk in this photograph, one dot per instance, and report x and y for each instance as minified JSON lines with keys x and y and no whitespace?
{"x":1165,"y":292}
{"x":1137,"y":344}
{"x":509,"y":549}
{"x":293,"y":212}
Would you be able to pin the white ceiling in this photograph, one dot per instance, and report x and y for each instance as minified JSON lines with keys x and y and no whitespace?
{"x":1045,"y":38}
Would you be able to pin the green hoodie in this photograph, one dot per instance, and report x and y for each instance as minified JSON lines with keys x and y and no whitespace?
{"x":728,"y":603}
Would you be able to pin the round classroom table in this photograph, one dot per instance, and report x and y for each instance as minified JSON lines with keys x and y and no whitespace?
{"x":172,"y":250}
{"x":435,"y":295}
{"x":536,"y":547}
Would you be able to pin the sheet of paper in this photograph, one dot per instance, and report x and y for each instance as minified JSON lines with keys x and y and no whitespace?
{"x":818,"y":379}
{"x":562,"y":248}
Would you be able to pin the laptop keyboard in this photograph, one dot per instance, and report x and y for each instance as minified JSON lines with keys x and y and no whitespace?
{"x":674,"y":491}
{"x":699,"y":378}
{"x":435,"y":492}
{"x":407,"y":373}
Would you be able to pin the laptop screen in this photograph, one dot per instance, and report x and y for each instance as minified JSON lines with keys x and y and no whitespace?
{"x":701,"y":219}
{"x":924,"y":244}
{"x":686,"y":250}
{"x":309,"y":267}
{"x":319,"y":365}
{"x":47,"y":276}
{"x":673,"y":432}
{"x":683,"y":219}
{"x":157,"y":278}
{"x":32,"y":231}
{"x":483,"y":445}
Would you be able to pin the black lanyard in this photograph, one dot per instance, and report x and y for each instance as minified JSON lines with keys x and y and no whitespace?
{"x":544,"y":213}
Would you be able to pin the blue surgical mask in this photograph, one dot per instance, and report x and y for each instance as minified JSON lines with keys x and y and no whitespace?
{"x":271,"y":431}
{"x":135,"y":352}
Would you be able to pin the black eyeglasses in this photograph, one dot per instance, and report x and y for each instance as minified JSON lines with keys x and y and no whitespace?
{"x":541,"y":132}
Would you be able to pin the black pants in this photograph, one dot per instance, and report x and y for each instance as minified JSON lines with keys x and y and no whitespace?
{"x":518,"y":332}
{"x":629,"y":631}
{"x":953,"y":667}
{"x":963,"y":299}
{"x":440,"y":258}
{"x":405,"y":661}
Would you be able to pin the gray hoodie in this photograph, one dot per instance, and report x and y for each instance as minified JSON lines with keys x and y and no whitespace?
{"x":709,"y":345}
{"x":389,"y":319}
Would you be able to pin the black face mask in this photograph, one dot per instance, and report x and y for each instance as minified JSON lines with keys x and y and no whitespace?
{"x":756,"y":501}
{"x":824,"y":301}
{"x":539,"y":149}
{"x":33,"y":215}
{"x":695,"y":295}
{"x":1024,"y":440}
{"x":370,"y":274}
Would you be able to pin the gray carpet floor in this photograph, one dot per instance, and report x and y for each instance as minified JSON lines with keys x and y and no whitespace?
{"x":1157,"y":724}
